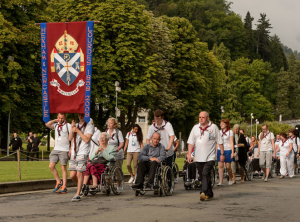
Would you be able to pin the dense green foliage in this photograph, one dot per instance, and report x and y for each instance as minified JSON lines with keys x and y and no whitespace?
{"x":182,"y":56}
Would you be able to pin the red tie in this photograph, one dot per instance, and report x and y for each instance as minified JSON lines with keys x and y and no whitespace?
{"x":202,"y":130}
{"x":266,"y":135}
{"x":224,"y":133}
{"x":59,"y":127}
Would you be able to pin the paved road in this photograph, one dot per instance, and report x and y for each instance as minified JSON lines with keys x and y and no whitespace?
{"x":276,"y":200}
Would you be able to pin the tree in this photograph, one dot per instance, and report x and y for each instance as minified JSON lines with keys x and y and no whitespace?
{"x":277,"y":57}
{"x":20,"y":83}
{"x":249,"y":36}
{"x":263,"y":37}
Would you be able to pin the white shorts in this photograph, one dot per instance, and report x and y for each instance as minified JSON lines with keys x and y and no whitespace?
{"x":79,"y":163}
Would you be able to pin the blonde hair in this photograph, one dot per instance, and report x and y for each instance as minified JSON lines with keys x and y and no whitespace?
{"x":116,"y":124}
{"x":255,"y":141}
{"x":105,"y":134}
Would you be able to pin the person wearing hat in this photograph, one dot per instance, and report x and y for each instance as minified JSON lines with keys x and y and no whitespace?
{"x":240,"y":153}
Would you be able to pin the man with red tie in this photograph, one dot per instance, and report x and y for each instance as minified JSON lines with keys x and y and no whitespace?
{"x":204,"y":136}
{"x":60,"y":151}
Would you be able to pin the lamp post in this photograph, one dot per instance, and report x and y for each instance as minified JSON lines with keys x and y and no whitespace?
{"x":11,"y":58}
{"x":256,"y":127}
{"x":252,"y":117}
{"x":222,"y":111}
{"x":118,"y":89}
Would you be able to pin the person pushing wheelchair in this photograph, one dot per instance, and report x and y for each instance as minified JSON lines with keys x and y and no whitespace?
{"x":151,"y":155}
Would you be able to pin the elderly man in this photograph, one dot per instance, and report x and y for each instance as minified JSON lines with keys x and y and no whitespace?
{"x":204,"y":136}
{"x":151,"y":155}
{"x":16,"y":144}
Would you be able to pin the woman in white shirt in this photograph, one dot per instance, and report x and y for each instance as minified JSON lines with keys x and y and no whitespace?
{"x":134,"y":143}
{"x":286,"y":156}
{"x":227,"y":137}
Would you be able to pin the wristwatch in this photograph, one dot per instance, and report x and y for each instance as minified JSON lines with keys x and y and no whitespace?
{"x":222,"y":154}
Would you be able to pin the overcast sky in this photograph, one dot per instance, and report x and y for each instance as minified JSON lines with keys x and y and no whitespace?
{"x":284,"y":17}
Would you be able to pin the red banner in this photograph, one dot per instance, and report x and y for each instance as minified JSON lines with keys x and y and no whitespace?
{"x":68,"y":47}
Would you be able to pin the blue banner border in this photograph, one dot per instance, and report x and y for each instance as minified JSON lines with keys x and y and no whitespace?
{"x":89,"y":62}
{"x":45,"y":93}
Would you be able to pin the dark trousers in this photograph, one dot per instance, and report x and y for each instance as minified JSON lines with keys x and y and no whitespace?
{"x":16,"y":154}
{"x":28,"y":152}
{"x":255,"y":165}
{"x":191,"y":171}
{"x":206,"y":179}
{"x":169,"y":161}
{"x":143,"y":168}
{"x":278,"y":165}
{"x":33,"y":153}
{"x":174,"y":156}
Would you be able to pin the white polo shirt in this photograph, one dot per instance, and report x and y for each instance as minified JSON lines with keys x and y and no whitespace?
{"x":62,"y":142}
{"x":84,"y":147}
{"x":295,"y":145}
{"x":113,"y":141}
{"x":226,"y":139}
{"x":133,"y":143}
{"x":205,"y":144}
{"x":248,"y":140}
{"x":165,"y":131}
{"x":284,"y":147}
{"x":95,"y":138}
{"x":266,"y":142}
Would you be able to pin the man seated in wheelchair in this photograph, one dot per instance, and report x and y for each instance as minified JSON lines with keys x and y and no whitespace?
{"x":97,"y":163}
{"x":151,"y":155}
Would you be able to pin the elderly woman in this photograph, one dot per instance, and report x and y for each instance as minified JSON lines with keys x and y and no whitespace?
{"x":98,"y":160}
{"x":240,"y":153}
{"x":286,"y":156}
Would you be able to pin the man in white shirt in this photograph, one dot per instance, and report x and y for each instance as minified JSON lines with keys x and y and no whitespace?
{"x":296,"y":146}
{"x":60,"y":151}
{"x":266,"y":145}
{"x":204,"y":136}
{"x":166,"y":132}
{"x":80,"y":152}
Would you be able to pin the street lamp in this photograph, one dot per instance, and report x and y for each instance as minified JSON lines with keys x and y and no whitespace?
{"x":257,"y":122}
{"x":11,"y":58}
{"x":222,"y":111}
{"x":118,"y":89}
{"x":252,"y":117}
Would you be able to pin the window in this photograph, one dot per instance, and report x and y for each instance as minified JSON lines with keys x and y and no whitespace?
{"x":142,"y":119}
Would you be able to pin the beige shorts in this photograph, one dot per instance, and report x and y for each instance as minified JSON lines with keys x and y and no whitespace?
{"x":265,"y":159}
{"x":235,"y":165}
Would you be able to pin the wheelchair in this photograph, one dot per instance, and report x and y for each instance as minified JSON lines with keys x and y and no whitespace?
{"x":248,"y":170}
{"x":109,"y":179}
{"x":196,"y":182}
{"x":175,"y":170}
{"x":163,"y":181}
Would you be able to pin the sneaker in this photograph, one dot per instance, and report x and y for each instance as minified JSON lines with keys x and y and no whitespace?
{"x":281,"y":177}
{"x":58,"y":185}
{"x":137,"y":186}
{"x":202,"y":196}
{"x":131,"y":180}
{"x":266,"y":179}
{"x":63,"y":189}
{"x":263,"y":177}
{"x":292,"y":176}
{"x":230,"y":183}
{"x":119,"y":189}
{"x":82,"y":190}
{"x":219,"y":184}
{"x":207,"y":197}
{"x":76,"y":198}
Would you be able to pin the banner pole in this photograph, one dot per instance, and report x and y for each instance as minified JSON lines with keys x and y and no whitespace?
{"x":74,"y":135}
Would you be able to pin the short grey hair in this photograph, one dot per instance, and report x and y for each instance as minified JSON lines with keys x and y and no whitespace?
{"x":236,"y":126}
{"x":105,"y":134}
{"x":206,"y":113}
{"x":155,"y":133}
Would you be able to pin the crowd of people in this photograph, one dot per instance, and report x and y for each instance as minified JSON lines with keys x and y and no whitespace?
{"x":88,"y":151}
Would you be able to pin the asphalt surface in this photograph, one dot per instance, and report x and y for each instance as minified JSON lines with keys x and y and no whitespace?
{"x":256,"y":200}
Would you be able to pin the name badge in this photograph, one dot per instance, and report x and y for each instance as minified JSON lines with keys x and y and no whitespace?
{"x":133,"y":143}
{"x":264,"y":142}
{"x":59,"y":139}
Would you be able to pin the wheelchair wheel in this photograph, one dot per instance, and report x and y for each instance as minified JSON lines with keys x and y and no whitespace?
{"x":168,"y":181}
{"x":176,"y":172}
{"x":116,"y":176}
{"x":136,"y":193}
{"x":93,"y":192}
{"x":86,"y":191}
{"x":212,"y":177}
{"x":272,"y":170}
{"x":159,"y":192}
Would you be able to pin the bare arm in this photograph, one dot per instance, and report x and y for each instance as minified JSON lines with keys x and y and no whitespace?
{"x":290,"y":150}
{"x":147,"y":141}
{"x":50,"y":123}
{"x":171,"y":142}
{"x":189,"y":152}
{"x":126,"y":145}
